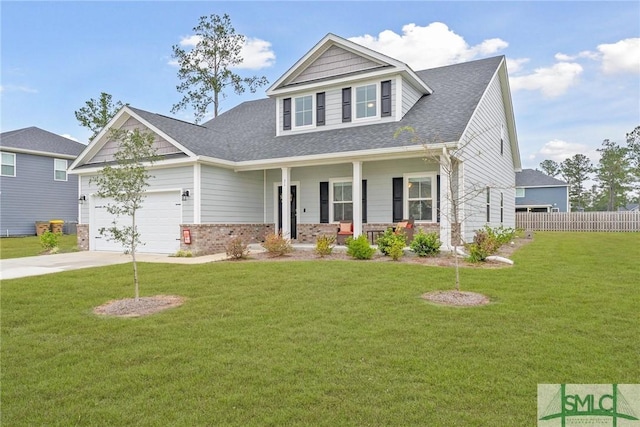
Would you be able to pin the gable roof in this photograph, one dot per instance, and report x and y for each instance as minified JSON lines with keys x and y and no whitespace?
{"x":34,"y":140}
{"x":535,"y":178}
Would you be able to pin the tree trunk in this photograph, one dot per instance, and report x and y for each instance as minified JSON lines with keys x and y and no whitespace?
{"x":133,"y":257}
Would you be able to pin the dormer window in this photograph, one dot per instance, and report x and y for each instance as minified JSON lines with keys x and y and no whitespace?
{"x":304,"y":111}
{"x":366,"y":101}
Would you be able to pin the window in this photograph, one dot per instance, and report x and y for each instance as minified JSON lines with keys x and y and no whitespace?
{"x":488,"y":204}
{"x":8,"y":164}
{"x":342,"y":200}
{"x":304,"y":111}
{"x":501,"y":140}
{"x":501,"y":207}
{"x":519,"y":192}
{"x":59,"y":170}
{"x":555,"y":209}
{"x":420,"y":193}
{"x":366,"y":102}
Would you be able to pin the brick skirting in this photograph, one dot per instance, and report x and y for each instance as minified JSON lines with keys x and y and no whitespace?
{"x":213,"y":238}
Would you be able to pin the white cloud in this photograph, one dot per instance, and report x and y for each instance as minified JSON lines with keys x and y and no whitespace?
{"x":515,"y":65}
{"x":17,"y":88}
{"x":427,"y":47}
{"x":256,"y":53}
{"x":68,"y":136}
{"x":621,"y":57}
{"x":559,"y":150}
{"x":551,"y":81}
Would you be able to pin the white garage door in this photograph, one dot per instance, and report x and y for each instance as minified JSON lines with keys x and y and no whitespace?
{"x":158,"y":224}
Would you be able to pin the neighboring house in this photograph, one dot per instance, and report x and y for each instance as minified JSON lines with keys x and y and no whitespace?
{"x":631,"y":207}
{"x":34,"y":184}
{"x":537,"y":192}
{"x":325,"y":138}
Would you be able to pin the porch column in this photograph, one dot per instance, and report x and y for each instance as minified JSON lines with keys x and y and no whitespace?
{"x":445,"y":201}
{"x":285,"y":204}
{"x":357,"y":198}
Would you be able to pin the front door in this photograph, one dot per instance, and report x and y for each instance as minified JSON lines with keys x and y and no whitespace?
{"x":293,"y":211}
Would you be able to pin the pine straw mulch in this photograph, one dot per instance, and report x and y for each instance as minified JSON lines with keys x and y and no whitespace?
{"x":145,"y":306}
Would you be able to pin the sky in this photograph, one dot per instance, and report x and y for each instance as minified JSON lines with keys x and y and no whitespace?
{"x":574,"y":66}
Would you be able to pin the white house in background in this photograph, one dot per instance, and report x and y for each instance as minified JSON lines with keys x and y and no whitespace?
{"x":324,"y":137}
{"x":537,"y":192}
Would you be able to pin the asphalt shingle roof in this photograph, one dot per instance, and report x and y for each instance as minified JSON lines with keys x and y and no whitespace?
{"x":535,"y":178}
{"x":248,"y":131}
{"x":36,"y":139}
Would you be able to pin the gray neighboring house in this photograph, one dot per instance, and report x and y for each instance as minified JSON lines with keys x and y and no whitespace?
{"x":323,"y":138}
{"x":538,"y":192}
{"x":34,"y":184}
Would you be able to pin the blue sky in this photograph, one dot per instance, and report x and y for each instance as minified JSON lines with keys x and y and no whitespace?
{"x":574,"y":66}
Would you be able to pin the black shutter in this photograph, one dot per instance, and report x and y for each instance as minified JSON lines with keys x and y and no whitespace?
{"x":286,"y":114}
{"x":346,"y":105}
{"x":438,"y":196}
{"x":398,"y":185}
{"x":385,"y":98}
{"x":320,"y":109}
{"x":324,"y":202}
{"x":364,"y":201}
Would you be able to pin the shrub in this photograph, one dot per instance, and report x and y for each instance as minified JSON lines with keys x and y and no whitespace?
{"x":183,"y":254}
{"x":49,"y":240}
{"x":359,"y":248}
{"x":236,"y":248}
{"x":396,"y":250}
{"x":502,"y":235}
{"x":484,"y":244}
{"x":276,"y":245}
{"x":426,"y":244}
{"x":390,"y":239}
{"x":324,"y":245}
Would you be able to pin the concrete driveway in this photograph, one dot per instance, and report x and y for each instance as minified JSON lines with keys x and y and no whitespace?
{"x":45,"y":264}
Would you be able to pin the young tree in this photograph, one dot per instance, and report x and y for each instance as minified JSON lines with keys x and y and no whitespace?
{"x":576,"y":170}
{"x":124,"y":183}
{"x":633,"y":145}
{"x":96,"y":114}
{"x":205,"y":70}
{"x":550,"y":167}
{"x":614,"y":173}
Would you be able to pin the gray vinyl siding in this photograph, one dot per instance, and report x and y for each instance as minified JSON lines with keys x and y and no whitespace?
{"x":178,"y":178}
{"x":556,"y":197}
{"x":410,"y":95}
{"x":335,"y":62}
{"x":161,"y":145}
{"x":33,"y":195}
{"x":333,"y":107}
{"x":485,"y":166}
{"x":231,"y":197}
{"x":379,"y":176}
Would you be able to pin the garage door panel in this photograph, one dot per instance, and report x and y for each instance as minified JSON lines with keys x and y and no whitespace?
{"x":158,"y":222}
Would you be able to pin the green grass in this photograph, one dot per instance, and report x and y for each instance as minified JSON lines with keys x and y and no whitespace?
{"x":18,"y":247}
{"x":322,"y":343}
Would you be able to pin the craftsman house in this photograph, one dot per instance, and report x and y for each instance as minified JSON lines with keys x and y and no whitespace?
{"x":34,"y":184}
{"x":325,"y":139}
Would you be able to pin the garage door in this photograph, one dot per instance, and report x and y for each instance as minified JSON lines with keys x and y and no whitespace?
{"x":158,"y":223}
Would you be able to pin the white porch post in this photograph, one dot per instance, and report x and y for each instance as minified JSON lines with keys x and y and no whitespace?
{"x":445,"y":201}
{"x":357,"y":198}
{"x":285,"y":203}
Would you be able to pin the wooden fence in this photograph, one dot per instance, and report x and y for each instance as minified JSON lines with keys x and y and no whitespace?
{"x":578,"y":221}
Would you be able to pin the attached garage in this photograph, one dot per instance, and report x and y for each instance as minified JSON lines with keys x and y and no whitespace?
{"x":158,"y":223}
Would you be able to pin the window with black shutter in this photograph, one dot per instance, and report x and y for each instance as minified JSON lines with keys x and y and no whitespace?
{"x":398,"y":186}
{"x":320,"y":109}
{"x":385,"y":98}
{"x":286,"y":114}
{"x":346,"y":105}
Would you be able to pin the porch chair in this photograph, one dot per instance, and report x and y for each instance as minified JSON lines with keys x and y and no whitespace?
{"x":405,"y":226}
{"x":344,"y":230}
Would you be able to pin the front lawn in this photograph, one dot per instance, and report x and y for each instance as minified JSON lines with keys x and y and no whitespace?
{"x":18,"y":247}
{"x":322,"y":343}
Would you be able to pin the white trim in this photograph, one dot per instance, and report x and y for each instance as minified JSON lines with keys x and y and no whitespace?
{"x":524,"y":192}
{"x":38,"y":153}
{"x":399,"y":97}
{"x":434,"y":194}
{"x":354,"y":101}
{"x":294,"y":126}
{"x":15,"y":164}
{"x":197,"y":197}
{"x":331,"y":182}
{"x":276,"y":202}
{"x":66,"y":165}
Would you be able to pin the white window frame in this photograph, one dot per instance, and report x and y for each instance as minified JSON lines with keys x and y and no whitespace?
{"x":7,"y":164}
{"x":354,"y":102}
{"x":294,"y":124}
{"x":56,"y":169}
{"x":333,"y":181}
{"x":488,"y":213}
{"x":520,"y":192}
{"x":434,"y":194}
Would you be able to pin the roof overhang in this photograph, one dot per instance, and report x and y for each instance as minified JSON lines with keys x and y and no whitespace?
{"x":38,"y":153}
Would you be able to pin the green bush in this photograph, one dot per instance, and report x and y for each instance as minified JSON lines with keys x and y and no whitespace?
{"x":484,"y":244}
{"x":237,"y":249}
{"x":426,"y":244}
{"x":502,"y":235}
{"x":49,"y":240}
{"x":396,"y":250}
{"x":388,"y":240}
{"x":324,"y":245}
{"x":359,"y":248}
{"x":276,"y":245}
